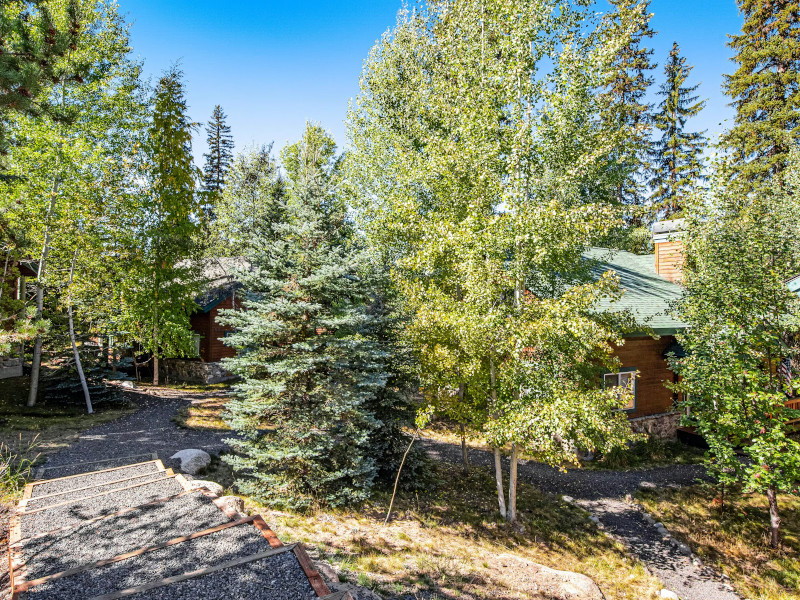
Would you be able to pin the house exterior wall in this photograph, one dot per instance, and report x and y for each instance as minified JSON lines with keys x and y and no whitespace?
{"x":646,"y":356}
{"x":669,"y":260}
{"x":212,"y":348}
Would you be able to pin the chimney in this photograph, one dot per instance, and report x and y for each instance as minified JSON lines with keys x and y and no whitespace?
{"x":668,"y":240}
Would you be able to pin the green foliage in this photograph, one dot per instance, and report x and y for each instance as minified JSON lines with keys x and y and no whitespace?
{"x":743,"y":322}
{"x":159,"y":295}
{"x":678,"y":156}
{"x":313,"y":405}
{"x":16,"y":465}
{"x":252,"y":200}
{"x":624,"y":107}
{"x":476,"y":152}
{"x":218,"y":159}
{"x":764,"y":89}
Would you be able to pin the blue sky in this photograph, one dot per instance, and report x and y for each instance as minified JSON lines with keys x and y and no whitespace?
{"x":273,"y":64}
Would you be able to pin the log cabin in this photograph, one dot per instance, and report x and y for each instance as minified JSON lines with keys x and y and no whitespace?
{"x":651,"y":284}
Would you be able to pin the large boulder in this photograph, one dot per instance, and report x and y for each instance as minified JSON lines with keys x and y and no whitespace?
{"x":232,"y":503}
{"x":192,"y":461}
{"x":556,"y":585}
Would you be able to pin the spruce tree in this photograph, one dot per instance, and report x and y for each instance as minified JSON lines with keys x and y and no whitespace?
{"x":307,"y":350}
{"x":218,"y":159}
{"x":765,"y":88}
{"x":678,"y":155}
{"x":624,"y":105}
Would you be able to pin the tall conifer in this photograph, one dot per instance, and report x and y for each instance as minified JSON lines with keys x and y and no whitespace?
{"x":765,"y":88}
{"x":624,"y":105}
{"x":218,"y":158}
{"x":678,"y":155}
{"x":308,"y":348}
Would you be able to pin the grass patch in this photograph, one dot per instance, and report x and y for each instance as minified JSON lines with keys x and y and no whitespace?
{"x":203,"y":414}
{"x":735,"y":538}
{"x":452,"y":542}
{"x":648,"y":453}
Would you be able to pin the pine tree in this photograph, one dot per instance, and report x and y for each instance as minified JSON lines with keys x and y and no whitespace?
{"x":765,"y":88}
{"x":307,"y":350}
{"x":161,"y":296}
{"x":678,"y":156}
{"x":624,"y":105}
{"x":218,"y":159}
{"x":34,"y":34}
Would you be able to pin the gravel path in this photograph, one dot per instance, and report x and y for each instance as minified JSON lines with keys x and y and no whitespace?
{"x":219,"y":547}
{"x":63,"y":485}
{"x":73,"y":495}
{"x":146,"y":526}
{"x":602,"y":493}
{"x":150,"y":429}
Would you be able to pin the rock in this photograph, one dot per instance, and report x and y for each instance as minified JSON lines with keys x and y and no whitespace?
{"x":129,"y":384}
{"x":327,"y":571}
{"x":647,"y":485}
{"x":594,"y":519}
{"x":568,"y":499}
{"x":558,"y":585}
{"x":669,"y":594}
{"x":356,"y":592}
{"x":662,"y":532}
{"x":684,"y":549}
{"x":650,"y":520}
{"x":192,"y":461}
{"x":212,"y":487}
{"x":233,"y":503}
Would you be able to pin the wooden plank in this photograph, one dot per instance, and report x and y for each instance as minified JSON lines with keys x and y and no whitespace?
{"x":25,"y":501}
{"x":79,"y":500}
{"x":317,"y":583}
{"x":159,"y":467}
{"x":261,"y":525}
{"x":107,"y":561}
{"x":27,"y":492}
{"x":109,"y":516}
{"x":191,"y":575}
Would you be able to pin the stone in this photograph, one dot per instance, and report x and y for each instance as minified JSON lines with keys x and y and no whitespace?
{"x":568,"y":499}
{"x":684,"y":549}
{"x":212,"y":487}
{"x":594,"y":519}
{"x":192,"y":460}
{"x":647,"y":485}
{"x":356,"y":592}
{"x":195,"y":371}
{"x":327,"y":571}
{"x":668,"y":594}
{"x":558,"y":585}
{"x":233,"y":503}
{"x":129,"y":384}
{"x":663,"y":426}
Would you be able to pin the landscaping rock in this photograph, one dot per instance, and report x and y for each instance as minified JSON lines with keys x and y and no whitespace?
{"x":568,"y":499}
{"x":356,"y":592}
{"x":684,"y":549}
{"x":192,"y":461}
{"x":647,"y":485}
{"x":212,"y":487}
{"x":669,"y":595}
{"x":233,"y":503}
{"x":559,"y":585}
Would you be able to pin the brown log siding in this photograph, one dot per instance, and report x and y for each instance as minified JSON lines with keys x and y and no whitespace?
{"x":212,"y":349}
{"x":646,"y":355}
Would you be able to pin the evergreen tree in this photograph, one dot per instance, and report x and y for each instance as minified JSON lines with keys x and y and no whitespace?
{"x":34,"y":35}
{"x":307,"y":348}
{"x":160,"y":296}
{"x":623,"y":100}
{"x":678,"y":156}
{"x":765,"y":88}
{"x":218,"y":159}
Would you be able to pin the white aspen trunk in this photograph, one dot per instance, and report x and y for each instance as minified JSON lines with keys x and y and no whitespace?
{"x":155,"y":369}
{"x":498,"y":459}
{"x":512,"y":485}
{"x":81,"y":375}
{"x":774,"y":517}
{"x":464,"y":453}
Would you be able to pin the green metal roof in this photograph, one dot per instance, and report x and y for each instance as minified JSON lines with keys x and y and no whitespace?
{"x":647,"y":295}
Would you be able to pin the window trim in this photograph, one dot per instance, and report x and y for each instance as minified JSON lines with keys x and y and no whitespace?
{"x":622,"y":371}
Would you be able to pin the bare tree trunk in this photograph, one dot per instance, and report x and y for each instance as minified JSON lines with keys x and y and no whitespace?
{"x":512,"y":485}
{"x":155,"y":369}
{"x":464,"y":453}
{"x":774,"y":517}
{"x":74,"y":345}
{"x":498,"y":473}
{"x":498,"y":462}
{"x":112,"y":349}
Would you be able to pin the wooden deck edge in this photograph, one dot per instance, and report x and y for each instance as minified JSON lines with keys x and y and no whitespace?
{"x":24,"y":586}
{"x":102,"y":517}
{"x":317,"y":583}
{"x":27,"y":501}
{"x":27,"y":491}
{"x":159,"y":464}
{"x":191,"y":574}
{"x":81,"y":499}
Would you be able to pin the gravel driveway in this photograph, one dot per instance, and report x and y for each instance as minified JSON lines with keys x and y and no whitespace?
{"x":603,"y":493}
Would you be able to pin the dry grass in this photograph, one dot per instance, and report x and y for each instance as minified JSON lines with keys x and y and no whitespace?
{"x":203,"y":414}
{"x":451,"y":543}
{"x":736,"y":538}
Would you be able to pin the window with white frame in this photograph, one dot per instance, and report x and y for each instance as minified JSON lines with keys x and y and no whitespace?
{"x":626,"y":381}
